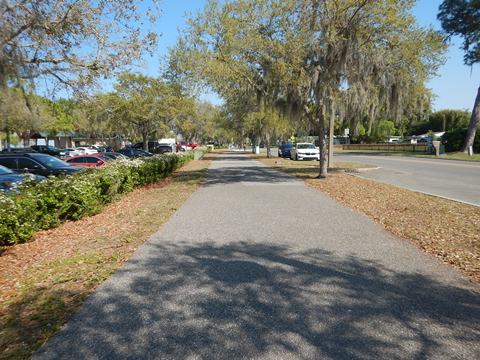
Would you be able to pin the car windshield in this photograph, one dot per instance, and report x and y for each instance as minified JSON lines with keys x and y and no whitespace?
{"x":5,"y":171}
{"x":306,"y":146}
{"x":50,"y":161}
{"x":287,"y":145}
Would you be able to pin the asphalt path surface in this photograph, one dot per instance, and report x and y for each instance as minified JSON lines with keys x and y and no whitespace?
{"x":457,"y":180}
{"x":255,"y":265}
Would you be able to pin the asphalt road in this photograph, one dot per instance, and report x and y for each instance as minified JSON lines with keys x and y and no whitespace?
{"x":458,"y":180}
{"x":255,"y":265}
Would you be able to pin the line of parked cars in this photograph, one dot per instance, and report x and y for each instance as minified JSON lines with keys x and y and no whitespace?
{"x":168,"y":145}
{"x":299,"y":151}
{"x":30,"y":165}
{"x":9,"y":179}
{"x":40,"y":161}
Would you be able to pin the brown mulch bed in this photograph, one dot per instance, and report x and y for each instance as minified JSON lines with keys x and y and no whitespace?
{"x":64,"y":240}
{"x":447,"y":229}
{"x":43,"y":282}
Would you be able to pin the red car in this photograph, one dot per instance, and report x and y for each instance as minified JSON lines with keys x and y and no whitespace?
{"x":91,"y":160}
{"x":186,"y":145}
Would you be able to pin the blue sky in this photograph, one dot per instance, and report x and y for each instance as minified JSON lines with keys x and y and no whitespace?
{"x":455,"y":87}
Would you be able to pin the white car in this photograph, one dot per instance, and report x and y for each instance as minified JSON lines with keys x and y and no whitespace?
{"x":305,"y":151}
{"x":68,"y":152}
{"x":86,"y":150}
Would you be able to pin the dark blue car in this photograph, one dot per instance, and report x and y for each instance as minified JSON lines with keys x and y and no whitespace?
{"x":9,"y":180}
{"x":284,"y":150}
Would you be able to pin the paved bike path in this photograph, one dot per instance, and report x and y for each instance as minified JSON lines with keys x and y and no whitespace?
{"x":255,"y":265}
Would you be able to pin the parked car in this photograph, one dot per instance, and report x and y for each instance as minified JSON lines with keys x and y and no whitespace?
{"x":17,"y":150}
{"x":114,"y":155}
{"x":9,"y":180}
{"x":164,"y":148}
{"x":86,"y":150}
{"x":284,"y":150}
{"x":215,"y":143}
{"x":172,"y":142}
{"x":152,"y":146}
{"x":305,"y":151}
{"x":69,"y":152}
{"x":131,"y":152}
{"x":100,"y":148}
{"x":46,"y":149}
{"x":184,"y":146}
{"x":92,"y":160}
{"x":37,"y":164}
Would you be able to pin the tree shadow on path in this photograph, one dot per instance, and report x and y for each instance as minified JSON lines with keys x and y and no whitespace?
{"x":246,"y":300}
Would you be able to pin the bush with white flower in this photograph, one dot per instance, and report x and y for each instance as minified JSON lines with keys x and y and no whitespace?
{"x":57,"y":199}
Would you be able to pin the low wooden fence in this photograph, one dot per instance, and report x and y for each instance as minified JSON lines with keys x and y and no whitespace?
{"x":388,"y":147}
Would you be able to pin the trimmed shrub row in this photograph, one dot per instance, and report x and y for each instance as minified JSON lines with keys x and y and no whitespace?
{"x":57,"y":199}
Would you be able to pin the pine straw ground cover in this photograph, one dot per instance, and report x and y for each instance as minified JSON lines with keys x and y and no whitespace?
{"x":446,"y":229}
{"x":43,"y":282}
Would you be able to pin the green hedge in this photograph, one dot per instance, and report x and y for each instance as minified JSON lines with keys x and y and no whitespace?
{"x":57,"y":199}
{"x":454,"y":139}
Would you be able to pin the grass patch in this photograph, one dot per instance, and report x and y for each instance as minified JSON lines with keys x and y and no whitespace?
{"x":42,"y":283}
{"x":446,"y":229}
{"x":449,"y":156}
{"x":462,"y":156}
{"x":307,"y":169}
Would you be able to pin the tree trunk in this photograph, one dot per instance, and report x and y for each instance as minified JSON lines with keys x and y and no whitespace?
{"x":371,"y":119}
{"x":322,"y":144}
{"x":7,"y":138}
{"x":145,"y":140}
{"x":330,"y":136}
{"x":472,"y":127}
{"x":269,"y":153}
{"x":243,"y":141}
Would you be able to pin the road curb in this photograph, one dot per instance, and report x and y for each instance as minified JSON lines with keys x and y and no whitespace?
{"x":360,"y":170}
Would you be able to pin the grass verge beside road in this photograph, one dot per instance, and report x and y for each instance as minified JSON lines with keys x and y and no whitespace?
{"x":446,"y":229}
{"x":459,"y":156}
{"x":308,"y":169}
{"x":449,"y":156}
{"x":42,"y":283}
